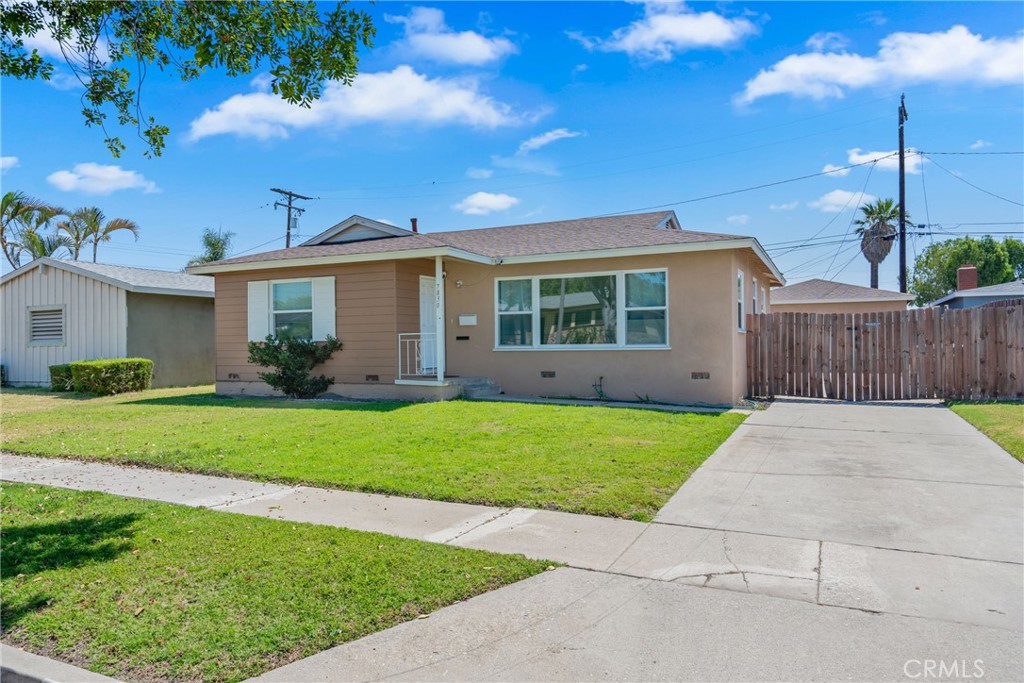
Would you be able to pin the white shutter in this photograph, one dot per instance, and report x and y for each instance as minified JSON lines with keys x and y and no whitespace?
{"x":259,"y":310}
{"x":324,"y":320}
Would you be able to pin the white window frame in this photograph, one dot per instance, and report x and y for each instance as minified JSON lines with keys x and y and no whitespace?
{"x":63,"y":325}
{"x":270,"y":304}
{"x":741,"y":304}
{"x":764,"y":299}
{"x":755,"y":308}
{"x":620,"y":313}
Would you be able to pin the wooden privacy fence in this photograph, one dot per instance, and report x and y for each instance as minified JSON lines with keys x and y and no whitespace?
{"x":975,"y":353}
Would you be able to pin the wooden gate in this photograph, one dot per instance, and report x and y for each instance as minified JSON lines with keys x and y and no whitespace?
{"x":975,"y":353}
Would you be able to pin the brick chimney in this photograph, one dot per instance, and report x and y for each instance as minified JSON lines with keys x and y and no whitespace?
{"x":966,"y":277}
{"x":415,"y":227}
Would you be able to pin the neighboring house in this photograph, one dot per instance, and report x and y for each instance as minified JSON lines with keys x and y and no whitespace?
{"x":826,"y":296}
{"x":57,"y":311}
{"x":969,"y":295}
{"x":626,"y":306}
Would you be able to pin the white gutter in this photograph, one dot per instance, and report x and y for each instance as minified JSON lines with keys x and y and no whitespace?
{"x":427,"y":252}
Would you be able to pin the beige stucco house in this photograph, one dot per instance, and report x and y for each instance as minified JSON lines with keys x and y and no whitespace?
{"x":827,"y":296}
{"x":624,"y":307}
{"x":56,"y":311}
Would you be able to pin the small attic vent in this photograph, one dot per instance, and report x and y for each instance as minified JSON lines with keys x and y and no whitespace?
{"x":46,"y":326}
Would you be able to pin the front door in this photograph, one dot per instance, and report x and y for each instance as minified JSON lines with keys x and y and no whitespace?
{"x":427,"y":363}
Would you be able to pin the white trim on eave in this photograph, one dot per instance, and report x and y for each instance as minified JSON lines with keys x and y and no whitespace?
{"x":655,"y":249}
{"x":426,"y":252}
{"x":338,"y":228}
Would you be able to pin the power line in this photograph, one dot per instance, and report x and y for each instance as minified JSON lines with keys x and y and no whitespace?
{"x":967,"y":182}
{"x":853,"y":216}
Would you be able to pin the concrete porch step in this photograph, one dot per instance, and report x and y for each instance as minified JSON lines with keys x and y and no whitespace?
{"x":478,"y":387}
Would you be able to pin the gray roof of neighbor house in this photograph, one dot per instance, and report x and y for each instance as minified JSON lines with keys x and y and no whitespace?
{"x":138,"y":280}
{"x":1008,"y":290}
{"x":817,"y":290}
{"x":535,"y":241}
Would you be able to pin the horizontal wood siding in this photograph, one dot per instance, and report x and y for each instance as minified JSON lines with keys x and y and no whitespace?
{"x":365,"y":304}
{"x":95,"y":322}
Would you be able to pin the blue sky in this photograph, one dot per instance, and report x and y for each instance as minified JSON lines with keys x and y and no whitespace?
{"x":476,"y":114}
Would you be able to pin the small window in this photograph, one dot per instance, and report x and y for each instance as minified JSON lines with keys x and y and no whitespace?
{"x":515,"y":312}
{"x":764,"y":299}
{"x":755,"y":309}
{"x":46,"y":326}
{"x":292,"y":309}
{"x":740,"y":312}
{"x":646,"y":310}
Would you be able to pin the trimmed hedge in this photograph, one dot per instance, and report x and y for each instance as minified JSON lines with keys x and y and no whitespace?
{"x":60,"y":378}
{"x":112,"y":375}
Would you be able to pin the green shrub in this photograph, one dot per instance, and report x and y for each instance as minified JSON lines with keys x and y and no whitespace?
{"x":294,"y":359}
{"x":112,"y":375}
{"x":60,"y":378}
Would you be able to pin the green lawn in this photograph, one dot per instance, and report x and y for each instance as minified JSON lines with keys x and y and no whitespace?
{"x":1001,"y":422}
{"x":150,"y":591}
{"x":604,"y":461}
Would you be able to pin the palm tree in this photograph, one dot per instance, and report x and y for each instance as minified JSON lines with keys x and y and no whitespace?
{"x":38,"y":245}
{"x":216,"y":245}
{"x":99,"y":229}
{"x":877,"y":232}
{"x":76,"y":230}
{"x":16,"y":209}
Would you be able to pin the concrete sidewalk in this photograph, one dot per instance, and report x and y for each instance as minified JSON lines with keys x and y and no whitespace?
{"x":891,"y":533}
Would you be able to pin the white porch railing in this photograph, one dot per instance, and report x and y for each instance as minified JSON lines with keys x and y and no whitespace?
{"x":417,"y":355}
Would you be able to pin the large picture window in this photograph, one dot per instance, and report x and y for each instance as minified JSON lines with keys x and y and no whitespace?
{"x":292,"y":309}
{"x":593,"y":310}
{"x":578,"y":310}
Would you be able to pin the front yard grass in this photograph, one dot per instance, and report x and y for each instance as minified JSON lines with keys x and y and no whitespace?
{"x":150,"y":591}
{"x":604,"y":461}
{"x":1001,"y":422}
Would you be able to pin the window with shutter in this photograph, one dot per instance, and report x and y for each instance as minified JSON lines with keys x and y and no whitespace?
{"x":46,"y":326}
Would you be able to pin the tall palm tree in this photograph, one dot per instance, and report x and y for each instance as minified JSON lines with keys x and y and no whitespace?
{"x":76,"y":230}
{"x":877,"y":230}
{"x":16,"y":209}
{"x":99,"y":228}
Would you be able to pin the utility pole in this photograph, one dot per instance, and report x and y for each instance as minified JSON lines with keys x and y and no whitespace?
{"x":903,"y":200}
{"x":292,"y":196}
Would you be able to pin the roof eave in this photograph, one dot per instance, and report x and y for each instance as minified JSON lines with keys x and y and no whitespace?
{"x":106,"y":279}
{"x":298,"y":262}
{"x":906,"y":298}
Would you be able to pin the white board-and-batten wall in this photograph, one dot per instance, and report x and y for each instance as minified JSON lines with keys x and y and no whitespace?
{"x":95,"y":318}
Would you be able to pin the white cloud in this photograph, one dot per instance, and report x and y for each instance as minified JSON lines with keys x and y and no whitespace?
{"x":827,"y":41}
{"x":887,"y":161}
{"x":837,"y":171}
{"x":398,"y":96}
{"x":427,"y":36}
{"x":787,"y":206}
{"x":668,"y":28}
{"x":483,"y":203}
{"x":580,"y":68}
{"x":7,"y":163}
{"x":874,"y":17}
{"x":538,"y":141}
{"x":953,"y":56}
{"x":93,"y":178}
{"x":980,"y":144}
{"x":741,"y":219}
{"x":479,"y":173}
{"x":839,"y":200}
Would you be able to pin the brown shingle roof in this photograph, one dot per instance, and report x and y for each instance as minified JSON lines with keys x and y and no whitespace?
{"x":582,"y":234}
{"x":827,"y":290}
{"x":343,"y":249}
{"x":556,"y":237}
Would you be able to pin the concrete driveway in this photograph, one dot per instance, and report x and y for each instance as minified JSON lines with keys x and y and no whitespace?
{"x":848,"y":541}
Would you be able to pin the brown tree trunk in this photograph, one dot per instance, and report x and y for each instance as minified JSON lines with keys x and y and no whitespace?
{"x":874,"y":276}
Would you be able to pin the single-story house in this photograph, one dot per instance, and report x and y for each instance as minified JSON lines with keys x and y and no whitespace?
{"x":827,"y":296}
{"x":57,"y":311}
{"x":624,"y":307}
{"x":969,"y":295}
